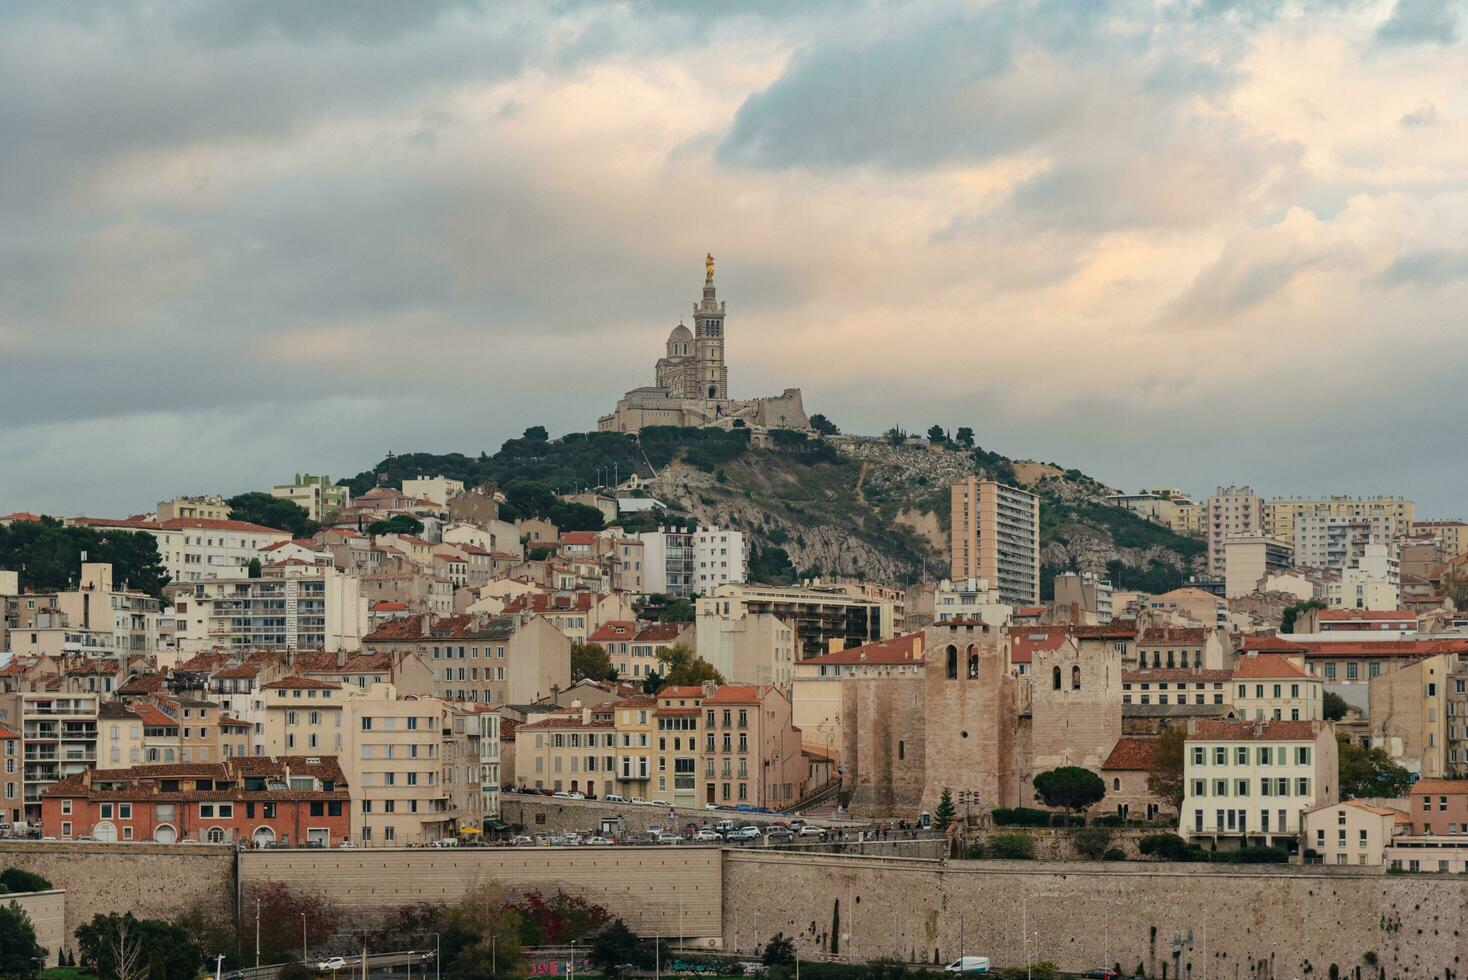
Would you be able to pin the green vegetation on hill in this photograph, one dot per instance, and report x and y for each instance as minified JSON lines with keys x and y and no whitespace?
{"x":810,"y":507}
{"x":48,"y":555}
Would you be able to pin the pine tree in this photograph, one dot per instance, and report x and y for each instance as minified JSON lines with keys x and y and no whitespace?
{"x":946,"y":811}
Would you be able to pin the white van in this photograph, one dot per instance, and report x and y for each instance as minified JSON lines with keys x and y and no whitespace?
{"x":968,"y":964}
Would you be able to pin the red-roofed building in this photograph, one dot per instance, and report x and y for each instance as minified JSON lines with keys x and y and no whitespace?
{"x":19,"y":515}
{"x":755,"y":756}
{"x":196,"y":549}
{"x":1251,"y":782}
{"x":1125,"y":772}
{"x":260,"y":800}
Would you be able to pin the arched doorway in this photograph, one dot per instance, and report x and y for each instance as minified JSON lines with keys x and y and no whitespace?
{"x":215,"y":835}
{"x":105,"y":832}
{"x":263,"y":836}
{"x":165,"y":834}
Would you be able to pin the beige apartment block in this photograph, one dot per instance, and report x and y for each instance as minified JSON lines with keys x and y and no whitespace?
{"x":497,"y":660}
{"x":1232,"y":512}
{"x":680,"y":773}
{"x":996,"y":536}
{"x":316,"y":495}
{"x":392,"y":756}
{"x":436,"y":489}
{"x":756,"y":648}
{"x":303,"y":716}
{"x":1388,"y":516}
{"x":573,"y":752}
{"x":59,"y":733}
{"x":1353,"y":832}
{"x":291,"y":606}
{"x":824,"y":617}
{"x":1248,"y":559}
{"x":752,"y":747}
{"x":634,"y":722}
{"x":1418,"y":715}
{"x":11,"y":782}
{"x":1274,"y":687}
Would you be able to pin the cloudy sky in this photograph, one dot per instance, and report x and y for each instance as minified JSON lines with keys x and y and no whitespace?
{"x":1176,"y":242}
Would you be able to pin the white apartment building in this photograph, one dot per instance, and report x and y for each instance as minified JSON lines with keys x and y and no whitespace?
{"x":317,"y":495}
{"x":1232,"y":512}
{"x":1271,"y":687}
{"x":1373,"y":581}
{"x":973,"y":599}
{"x":438,"y":489}
{"x":1251,"y":782}
{"x":196,"y":549}
{"x":996,"y":536}
{"x":668,"y":563}
{"x":292,"y":605}
{"x":1387,"y":516}
{"x":1249,"y":558}
{"x":59,"y":736}
{"x":718,"y":557}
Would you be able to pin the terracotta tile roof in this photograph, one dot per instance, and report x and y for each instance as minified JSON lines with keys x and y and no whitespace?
{"x":898,"y":650}
{"x":151,"y":715}
{"x":389,"y":605}
{"x":541,"y":602}
{"x":616,"y":629}
{"x":734,"y":694}
{"x":202,"y":524}
{"x":1112,"y":631}
{"x":1273,"y":644}
{"x":115,"y":710}
{"x":1244,"y":731}
{"x":685,"y":691}
{"x":1368,"y":615}
{"x":21,"y":515}
{"x":1441,"y":787}
{"x":1383,"y":648}
{"x":578,"y":537}
{"x":660,"y":632}
{"x":1264,"y":665}
{"x":7,"y":733}
{"x":1029,"y":610}
{"x":1175,"y":674}
{"x":299,"y":682}
{"x":1024,"y":641}
{"x":205,"y":662}
{"x":1380,"y":811}
{"x":1131,"y":754}
{"x":356,"y":663}
{"x":143,"y":684}
{"x":239,"y":671}
{"x":558,"y":723}
{"x":1173,"y":634}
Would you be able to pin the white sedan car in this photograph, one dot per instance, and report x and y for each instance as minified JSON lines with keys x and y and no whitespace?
{"x":333,"y":964}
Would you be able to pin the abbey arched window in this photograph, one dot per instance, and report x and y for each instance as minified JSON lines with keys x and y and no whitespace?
{"x":973,"y":665}
{"x":1055,"y":678}
{"x":952,"y":663}
{"x":1075,"y":678}
{"x":1116,"y":783}
{"x":901,"y":750}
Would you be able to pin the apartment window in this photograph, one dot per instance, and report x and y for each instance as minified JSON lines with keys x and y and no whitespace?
{"x":106,"y":811}
{"x":1197,"y":755}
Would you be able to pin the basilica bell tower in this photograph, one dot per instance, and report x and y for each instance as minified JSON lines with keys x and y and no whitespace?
{"x":708,"y":340}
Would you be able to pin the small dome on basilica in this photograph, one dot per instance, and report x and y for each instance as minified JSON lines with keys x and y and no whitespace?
{"x":680,"y":332}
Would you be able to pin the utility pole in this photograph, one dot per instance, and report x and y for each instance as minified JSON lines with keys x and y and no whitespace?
{"x":303,"y":938}
{"x":257,"y":933}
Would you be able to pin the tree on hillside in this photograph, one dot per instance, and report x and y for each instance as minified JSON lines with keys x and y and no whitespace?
{"x":488,"y":931}
{"x":936,"y":434}
{"x":49,"y":555}
{"x":617,"y":945}
{"x":1293,"y":611}
{"x":824,"y":425}
{"x":1165,"y":778}
{"x":396,"y":524}
{"x":677,"y":610}
{"x":19,"y":951}
{"x":964,"y":437}
{"x":269,"y":511}
{"x":1335,"y":707}
{"x":1071,"y":787}
{"x":1367,"y":773}
{"x":590,"y":661}
{"x":681,"y":667}
{"x":779,"y":951}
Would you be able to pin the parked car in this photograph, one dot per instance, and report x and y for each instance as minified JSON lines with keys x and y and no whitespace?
{"x":641,"y":840}
{"x":637,"y":801}
{"x":613,"y":798}
{"x":668,"y":837}
{"x":596,"y":840}
{"x":811,"y":830}
{"x":779,"y":835}
{"x":521,"y":841}
{"x":968,"y":964}
{"x":724,"y":826}
{"x":707,"y":837}
{"x":742,"y":835}
{"x":1102,"y":973}
{"x":664,"y":803}
{"x":333,"y":964}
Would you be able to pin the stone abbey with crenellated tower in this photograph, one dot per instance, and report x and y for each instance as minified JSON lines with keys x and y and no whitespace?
{"x":692,"y":386}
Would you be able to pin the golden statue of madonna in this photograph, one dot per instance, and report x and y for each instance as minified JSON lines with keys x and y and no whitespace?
{"x":708,"y":268}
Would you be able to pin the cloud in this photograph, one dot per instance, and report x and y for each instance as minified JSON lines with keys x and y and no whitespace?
{"x":1420,"y":22}
{"x":243,"y":239}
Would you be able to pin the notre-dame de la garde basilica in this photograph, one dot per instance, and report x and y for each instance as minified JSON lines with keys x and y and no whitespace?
{"x":692,"y":386}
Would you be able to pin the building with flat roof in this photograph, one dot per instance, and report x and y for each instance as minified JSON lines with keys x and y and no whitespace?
{"x":996,"y":536}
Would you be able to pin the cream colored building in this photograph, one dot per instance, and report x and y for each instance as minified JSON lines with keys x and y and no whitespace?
{"x":303,"y":716}
{"x":756,"y":648}
{"x":996,"y":536}
{"x":1189,"y":606}
{"x":196,"y":549}
{"x":316,"y":495}
{"x":1171,"y":508}
{"x":1285,"y":518}
{"x":119,"y":736}
{"x":1353,"y":832}
{"x":571,"y":752}
{"x":680,"y":771}
{"x":1452,"y":536}
{"x":208,"y":508}
{"x":500,"y":660}
{"x":1414,"y":713}
{"x":1232,"y":512}
{"x":392,"y":756}
{"x":634,"y":721}
{"x":1273,"y":687}
{"x":1248,"y":559}
{"x":438,"y":489}
{"x":973,"y":599}
{"x":1253,"y":781}
{"x":291,"y":606}
{"x":824,"y":618}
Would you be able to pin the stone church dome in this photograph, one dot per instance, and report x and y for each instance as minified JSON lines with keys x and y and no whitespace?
{"x":680,"y":333}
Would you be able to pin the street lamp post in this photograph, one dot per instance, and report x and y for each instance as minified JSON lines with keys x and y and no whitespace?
{"x":303,"y":937}
{"x":438,"y":957}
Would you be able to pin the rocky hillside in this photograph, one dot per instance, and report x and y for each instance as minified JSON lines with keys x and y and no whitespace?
{"x":847,"y":506}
